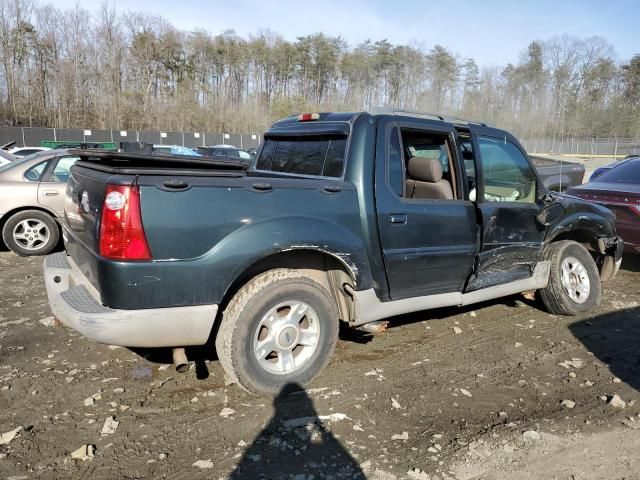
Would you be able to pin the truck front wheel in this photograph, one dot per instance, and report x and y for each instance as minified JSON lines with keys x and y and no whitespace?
{"x":574,"y":282}
{"x":281,"y":327}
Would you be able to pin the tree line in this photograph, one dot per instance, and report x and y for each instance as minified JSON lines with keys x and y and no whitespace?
{"x":69,"y":68}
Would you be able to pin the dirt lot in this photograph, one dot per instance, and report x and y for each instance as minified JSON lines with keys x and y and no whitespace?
{"x":419,"y":401}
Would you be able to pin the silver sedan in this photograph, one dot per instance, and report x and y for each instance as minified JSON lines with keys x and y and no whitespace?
{"x":32,"y":200}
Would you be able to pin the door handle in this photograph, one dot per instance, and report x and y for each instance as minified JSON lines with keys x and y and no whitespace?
{"x":399,"y":218}
{"x":331,"y":188}
{"x":262,"y":186}
{"x":49,"y":193}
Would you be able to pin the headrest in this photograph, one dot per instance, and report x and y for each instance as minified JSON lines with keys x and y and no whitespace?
{"x":425,"y":169}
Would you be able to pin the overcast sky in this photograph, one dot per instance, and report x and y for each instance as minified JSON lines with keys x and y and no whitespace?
{"x":493,"y":32}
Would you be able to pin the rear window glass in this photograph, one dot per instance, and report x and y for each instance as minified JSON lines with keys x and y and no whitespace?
{"x":319,"y":156}
{"x":628,"y":172}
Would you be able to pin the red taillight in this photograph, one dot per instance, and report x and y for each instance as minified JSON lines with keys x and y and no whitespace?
{"x":121,"y":233}
{"x":308,"y":117}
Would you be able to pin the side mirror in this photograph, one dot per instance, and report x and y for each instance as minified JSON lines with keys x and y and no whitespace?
{"x":544,"y":196}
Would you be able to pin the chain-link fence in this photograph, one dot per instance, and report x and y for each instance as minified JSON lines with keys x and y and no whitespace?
{"x":584,"y":147}
{"x":35,"y":136}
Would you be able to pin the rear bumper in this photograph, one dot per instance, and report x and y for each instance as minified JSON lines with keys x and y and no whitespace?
{"x":76,"y":303}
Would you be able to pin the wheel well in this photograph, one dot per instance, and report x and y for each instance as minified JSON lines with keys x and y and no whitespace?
{"x":324,"y":267}
{"x":584,"y":237}
{"x":11,"y":213}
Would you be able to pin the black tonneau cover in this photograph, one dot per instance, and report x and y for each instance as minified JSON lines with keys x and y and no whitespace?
{"x":114,"y":161}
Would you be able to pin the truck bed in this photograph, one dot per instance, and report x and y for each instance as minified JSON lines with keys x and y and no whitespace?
{"x":558,"y":175}
{"x":196,"y":215}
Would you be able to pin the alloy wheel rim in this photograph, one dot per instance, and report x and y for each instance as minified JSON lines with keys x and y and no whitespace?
{"x":286,"y":337}
{"x":575,"y":279}
{"x":31,"y":234}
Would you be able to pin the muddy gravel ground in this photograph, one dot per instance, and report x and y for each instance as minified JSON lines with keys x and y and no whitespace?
{"x":497,"y":390}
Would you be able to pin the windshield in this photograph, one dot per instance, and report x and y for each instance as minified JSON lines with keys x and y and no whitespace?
{"x":628,"y":172}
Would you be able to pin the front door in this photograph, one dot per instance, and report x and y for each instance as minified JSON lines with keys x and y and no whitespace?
{"x":507,"y":199}
{"x":428,"y":233}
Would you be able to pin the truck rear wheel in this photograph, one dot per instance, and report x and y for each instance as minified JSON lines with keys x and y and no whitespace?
{"x":574,"y":282}
{"x":281,"y":327}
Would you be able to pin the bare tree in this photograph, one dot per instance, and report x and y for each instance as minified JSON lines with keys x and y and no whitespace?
{"x":71,"y":68}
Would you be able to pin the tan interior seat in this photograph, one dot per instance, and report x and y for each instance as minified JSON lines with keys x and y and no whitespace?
{"x":424,"y":179}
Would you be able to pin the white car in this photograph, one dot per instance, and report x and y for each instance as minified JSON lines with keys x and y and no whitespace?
{"x":224,"y":145}
{"x":6,"y":158}
{"x":24,"y":151}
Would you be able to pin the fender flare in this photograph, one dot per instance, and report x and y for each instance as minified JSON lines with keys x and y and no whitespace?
{"x":594,"y":224}
{"x":243,"y":248}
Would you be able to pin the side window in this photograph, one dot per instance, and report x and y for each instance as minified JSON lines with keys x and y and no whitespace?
{"x":62,"y":171}
{"x":396,"y":169}
{"x":508,"y":177}
{"x":430,"y":165}
{"x":34,"y":174}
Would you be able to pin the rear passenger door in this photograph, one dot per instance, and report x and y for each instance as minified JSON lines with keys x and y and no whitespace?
{"x":512,"y":238}
{"x":429,"y":245}
{"x":54,"y":183}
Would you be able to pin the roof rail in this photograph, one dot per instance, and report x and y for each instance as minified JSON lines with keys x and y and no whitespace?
{"x":414,"y":113}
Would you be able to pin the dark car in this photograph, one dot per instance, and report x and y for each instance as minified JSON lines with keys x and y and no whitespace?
{"x":618,"y":189}
{"x":600,"y":170}
{"x":342,"y":217}
{"x":226,"y":151}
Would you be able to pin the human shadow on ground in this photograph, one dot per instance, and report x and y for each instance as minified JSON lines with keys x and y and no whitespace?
{"x":614,"y":338}
{"x":631,"y":262}
{"x":296,"y":444}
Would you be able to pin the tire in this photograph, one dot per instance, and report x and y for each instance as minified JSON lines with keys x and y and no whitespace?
{"x":266,"y":311}
{"x":580,"y":291}
{"x":44,"y":231}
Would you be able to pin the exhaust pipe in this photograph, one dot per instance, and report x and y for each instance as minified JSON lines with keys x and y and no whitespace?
{"x":180,"y":360}
{"x":374,"y":328}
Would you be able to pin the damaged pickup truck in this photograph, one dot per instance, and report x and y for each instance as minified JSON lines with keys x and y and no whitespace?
{"x":342,"y":217}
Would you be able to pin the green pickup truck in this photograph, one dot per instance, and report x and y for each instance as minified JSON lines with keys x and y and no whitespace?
{"x":341,"y":217}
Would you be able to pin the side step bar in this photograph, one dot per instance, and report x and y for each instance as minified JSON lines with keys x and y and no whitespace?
{"x":368,"y":308}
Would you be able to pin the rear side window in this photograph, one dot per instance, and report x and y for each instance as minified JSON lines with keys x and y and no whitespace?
{"x":322,"y":156}
{"x":34,"y":174}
